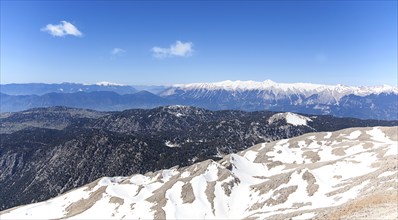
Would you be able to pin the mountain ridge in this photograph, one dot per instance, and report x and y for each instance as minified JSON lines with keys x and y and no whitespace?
{"x":342,"y":101}
{"x":62,"y":148}
{"x":339,"y":89}
{"x":65,"y":87}
{"x":305,"y":177}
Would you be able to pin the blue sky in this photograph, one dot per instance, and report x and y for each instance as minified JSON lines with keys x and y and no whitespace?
{"x":167,"y":42}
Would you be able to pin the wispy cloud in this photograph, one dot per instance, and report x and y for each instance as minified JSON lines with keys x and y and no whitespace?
{"x":180,"y":49}
{"x":117,"y":51}
{"x":62,"y":29}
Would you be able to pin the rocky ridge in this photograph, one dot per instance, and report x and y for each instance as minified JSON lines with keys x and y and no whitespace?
{"x":320,"y":175}
{"x":42,"y":156}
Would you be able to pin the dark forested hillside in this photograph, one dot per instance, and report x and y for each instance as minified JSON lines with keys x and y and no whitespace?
{"x":44,"y":152}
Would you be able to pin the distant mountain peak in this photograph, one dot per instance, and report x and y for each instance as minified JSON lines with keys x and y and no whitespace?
{"x":104,"y":83}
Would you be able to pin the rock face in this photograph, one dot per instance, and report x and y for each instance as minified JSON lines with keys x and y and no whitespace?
{"x":343,"y":174}
{"x":45,"y":152}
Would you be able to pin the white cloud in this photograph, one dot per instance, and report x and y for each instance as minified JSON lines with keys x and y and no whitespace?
{"x":178,"y":49}
{"x":62,"y":29}
{"x":117,"y":51}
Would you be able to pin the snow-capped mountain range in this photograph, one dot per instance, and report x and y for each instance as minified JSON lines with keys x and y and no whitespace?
{"x":375,"y":102}
{"x":378,"y":102}
{"x":297,"y":93}
{"x":307,"y":89}
{"x":350,"y":174}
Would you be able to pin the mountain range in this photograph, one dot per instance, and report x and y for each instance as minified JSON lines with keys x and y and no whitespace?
{"x":346,"y":174}
{"x":47,"y":151}
{"x":378,"y":102}
{"x":44,"y":88}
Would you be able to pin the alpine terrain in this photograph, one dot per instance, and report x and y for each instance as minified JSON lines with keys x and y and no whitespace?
{"x":198,"y":110}
{"x":48,"y":151}
{"x":375,"y":102}
{"x":346,"y":174}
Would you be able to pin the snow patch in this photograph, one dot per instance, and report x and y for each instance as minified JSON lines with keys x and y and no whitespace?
{"x":104,"y":83}
{"x":171,"y":144}
{"x":291,"y":118}
{"x":388,"y":173}
{"x":354,"y":135}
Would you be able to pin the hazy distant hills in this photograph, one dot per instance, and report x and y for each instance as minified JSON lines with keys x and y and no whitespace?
{"x":361,"y":102}
{"x":47,"y":151}
{"x":43,"y":88}
{"x":99,"y":100}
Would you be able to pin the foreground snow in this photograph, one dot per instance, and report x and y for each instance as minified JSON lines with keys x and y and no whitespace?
{"x":317,"y":175}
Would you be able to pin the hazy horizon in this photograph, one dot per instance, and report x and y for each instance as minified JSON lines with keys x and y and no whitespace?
{"x":173,"y":84}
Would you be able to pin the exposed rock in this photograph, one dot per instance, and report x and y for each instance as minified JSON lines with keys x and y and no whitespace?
{"x":52,"y":150}
{"x":324,"y":189}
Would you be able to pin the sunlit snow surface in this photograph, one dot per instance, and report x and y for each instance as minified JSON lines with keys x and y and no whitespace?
{"x":291,"y":118}
{"x":296,"y":178}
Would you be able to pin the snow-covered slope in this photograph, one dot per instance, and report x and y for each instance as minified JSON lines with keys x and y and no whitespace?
{"x":290,"y":118}
{"x":318,"y":175}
